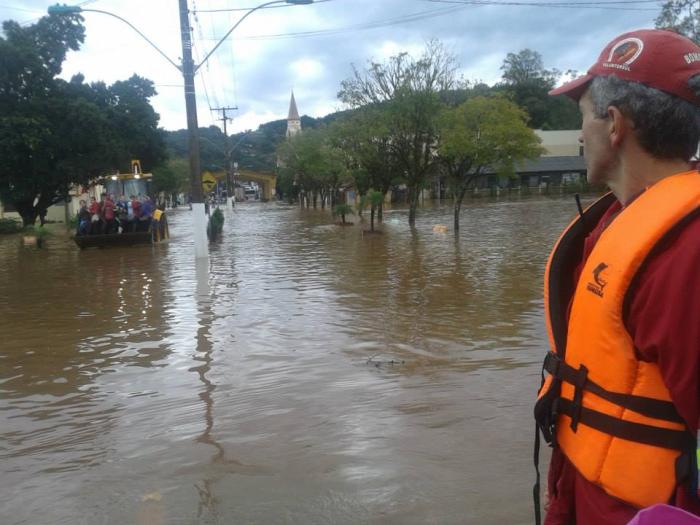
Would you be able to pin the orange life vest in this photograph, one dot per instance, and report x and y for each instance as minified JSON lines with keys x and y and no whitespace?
{"x":611,"y":413}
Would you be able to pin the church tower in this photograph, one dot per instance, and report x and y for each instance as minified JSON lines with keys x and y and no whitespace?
{"x":293,"y":120}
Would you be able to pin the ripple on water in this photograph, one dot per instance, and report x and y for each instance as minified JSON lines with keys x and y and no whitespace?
{"x":302,"y":373}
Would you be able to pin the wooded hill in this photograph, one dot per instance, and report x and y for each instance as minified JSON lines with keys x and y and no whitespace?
{"x":525,"y":82}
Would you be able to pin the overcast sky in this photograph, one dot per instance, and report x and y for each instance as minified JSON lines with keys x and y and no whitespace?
{"x":310,"y":48}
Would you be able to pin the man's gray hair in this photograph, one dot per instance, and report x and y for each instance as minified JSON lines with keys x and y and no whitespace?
{"x":666,"y":126}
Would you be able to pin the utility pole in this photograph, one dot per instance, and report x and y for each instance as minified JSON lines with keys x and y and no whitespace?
{"x":197,"y":198}
{"x":229,"y":172}
{"x":188,"y":70}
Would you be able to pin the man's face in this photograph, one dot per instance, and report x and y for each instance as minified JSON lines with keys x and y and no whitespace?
{"x":595,"y":138}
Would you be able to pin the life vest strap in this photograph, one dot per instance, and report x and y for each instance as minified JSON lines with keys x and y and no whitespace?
{"x":646,"y":406}
{"x":638,"y":432}
{"x":579,"y":386}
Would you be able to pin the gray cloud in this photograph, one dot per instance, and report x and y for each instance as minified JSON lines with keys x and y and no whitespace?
{"x":257,"y":73}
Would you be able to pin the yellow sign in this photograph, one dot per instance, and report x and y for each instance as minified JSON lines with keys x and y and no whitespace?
{"x":208,"y":181}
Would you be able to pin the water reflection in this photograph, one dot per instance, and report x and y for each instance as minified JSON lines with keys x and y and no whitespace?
{"x":304,"y":373}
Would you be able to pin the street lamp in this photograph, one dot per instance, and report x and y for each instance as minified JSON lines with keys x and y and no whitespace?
{"x":188,"y":70}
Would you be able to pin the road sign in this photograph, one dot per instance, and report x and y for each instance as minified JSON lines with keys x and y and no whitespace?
{"x":208,"y":181}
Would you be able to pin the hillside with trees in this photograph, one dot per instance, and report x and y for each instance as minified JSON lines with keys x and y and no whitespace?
{"x":413,"y":120}
{"x":525,"y":82}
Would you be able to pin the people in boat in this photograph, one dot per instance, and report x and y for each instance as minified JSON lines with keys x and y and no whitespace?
{"x":83,"y":219}
{"x":146,"y":213}
{"x":135,"y":213}
{"x":95,"y":216}
{"x":122,"y":209}
{"x":108,"y":214}
{"x":620,"y":403}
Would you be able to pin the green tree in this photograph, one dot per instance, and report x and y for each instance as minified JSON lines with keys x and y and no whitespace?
{"x":682,"y":16}
{"x":405,"y":91}
{"x":317,"y":165}
{"x":526,"y":67}
{"x":334,"y":173}
{"x":528,"y":83}
{"x":375,"y":201}
{"x":303,"y":158}
{"x":212,"y":147}
{"x":55,"y":133}
{"x":366,"y":139}
{"x":342,"y":210}
{"x":482,"y":133}
{"x":31,"y":57}
{"x":173,"y":177}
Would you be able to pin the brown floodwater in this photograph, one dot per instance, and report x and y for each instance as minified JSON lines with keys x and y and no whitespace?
{"x":304,"y":373}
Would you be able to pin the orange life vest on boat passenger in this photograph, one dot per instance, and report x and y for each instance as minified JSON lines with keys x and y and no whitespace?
{"x":611,"y":413}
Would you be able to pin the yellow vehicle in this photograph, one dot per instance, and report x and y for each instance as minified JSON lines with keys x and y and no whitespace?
{"x":133,"y":231}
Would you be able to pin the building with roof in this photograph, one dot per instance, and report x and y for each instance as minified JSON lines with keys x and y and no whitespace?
{"x":561,"y":163}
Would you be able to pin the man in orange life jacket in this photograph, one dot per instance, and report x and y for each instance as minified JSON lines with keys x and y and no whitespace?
{"x":620,"y":396}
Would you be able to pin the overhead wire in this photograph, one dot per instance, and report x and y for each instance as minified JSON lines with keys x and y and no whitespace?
{"x":33,"y":20}
{"x":12,"y":8}
{"x":207,"y":66}
{"x":357,"y":27}
{"x":232,"y":9}
{"x":457,"y":4}
{"x":234,"y":81}
{"x":605,"y":4}
{"x":195,"y":53}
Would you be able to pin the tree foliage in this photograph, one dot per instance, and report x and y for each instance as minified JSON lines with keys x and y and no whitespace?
{"x":375,"y":199}
{"x":313,"y":166}
{"x":365,"y":138}
{"x":483,"y":133}
{"x":682,"y":16}
{"x":342,"y":210}
{"x":406,"y":91}
{"x":55,"y":133}
{"x":173,"y":176}
{"x":526,"y":67}
{"x":528,"y":83}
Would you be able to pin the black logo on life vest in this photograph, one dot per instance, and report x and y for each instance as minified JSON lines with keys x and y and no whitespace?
{"x":600,"y":282}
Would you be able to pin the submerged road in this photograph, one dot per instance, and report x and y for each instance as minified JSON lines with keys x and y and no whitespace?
{"x":303,"y":374}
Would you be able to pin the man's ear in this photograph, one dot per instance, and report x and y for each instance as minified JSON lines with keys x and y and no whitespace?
{"x":619,"y":126}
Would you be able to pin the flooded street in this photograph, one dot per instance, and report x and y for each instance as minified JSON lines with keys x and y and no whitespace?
{"x":303,"y":374}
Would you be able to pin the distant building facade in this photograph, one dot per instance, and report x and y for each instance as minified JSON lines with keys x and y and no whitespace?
{"x":561,"y":143}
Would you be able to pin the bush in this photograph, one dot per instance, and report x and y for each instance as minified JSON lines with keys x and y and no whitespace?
{"x":216,"y":224}
{"x":39,"y":232}
{"x":9,"y":226}
{"x":341,"y":210}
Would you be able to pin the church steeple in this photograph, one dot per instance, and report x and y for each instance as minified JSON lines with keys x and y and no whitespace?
{"x":293,"y":112}
{"x":293,"y":120}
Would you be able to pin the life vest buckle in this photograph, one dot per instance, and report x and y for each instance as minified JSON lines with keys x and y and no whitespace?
{"x":577,"y":402}
{"x":552,"y":364}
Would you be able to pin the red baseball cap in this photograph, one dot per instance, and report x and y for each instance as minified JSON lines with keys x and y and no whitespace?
{"x":657,"y":58}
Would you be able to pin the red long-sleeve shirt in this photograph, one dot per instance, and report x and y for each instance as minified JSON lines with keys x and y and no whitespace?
{"x":664,"y":322}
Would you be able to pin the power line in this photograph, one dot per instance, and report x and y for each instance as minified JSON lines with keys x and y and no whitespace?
{"x":207,"y":65}
{"x":611,"y":4}
{"x":251,"y":8}
{"x":357,"y":27}
{"x":461,"y":4}
{"x":234,"y":80}
{"x":201,"y":76}
{"x":85,"y":2}
{"x":20,"y":9}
